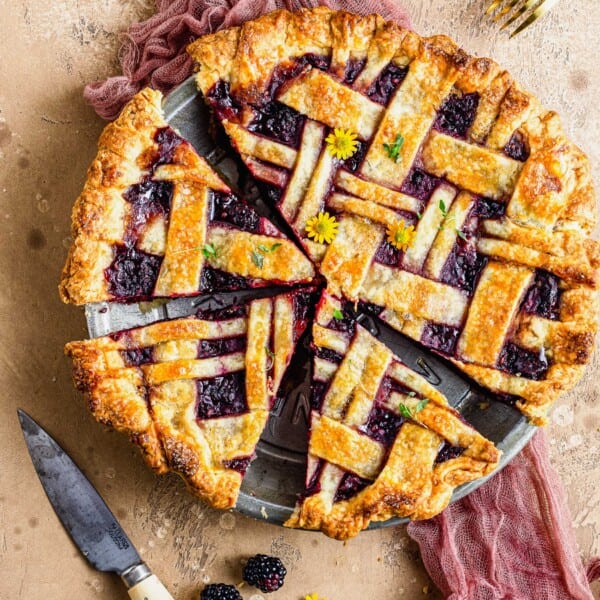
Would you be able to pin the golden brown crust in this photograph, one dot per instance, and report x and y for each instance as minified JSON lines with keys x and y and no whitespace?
{"x":155,"y":402}
{"x":411,"y":483}
{"x":544,"y":182}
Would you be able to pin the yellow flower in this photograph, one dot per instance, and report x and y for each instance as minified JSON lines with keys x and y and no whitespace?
{"x":322,"y":228}
{"x":313,"y":596}
{"x":341,"y":143}
{"x":400,"y":236}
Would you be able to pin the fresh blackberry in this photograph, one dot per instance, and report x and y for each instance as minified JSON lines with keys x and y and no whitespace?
{"x":220,"y":591}
{"x":264,"y":572}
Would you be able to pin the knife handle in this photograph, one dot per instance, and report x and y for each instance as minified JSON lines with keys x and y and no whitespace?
{"x":149,"y":589}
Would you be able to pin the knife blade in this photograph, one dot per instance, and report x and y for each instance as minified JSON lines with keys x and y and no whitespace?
{"x":85,"y":515}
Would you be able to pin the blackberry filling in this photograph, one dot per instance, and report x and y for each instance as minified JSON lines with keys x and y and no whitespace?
{"x":215,"y":280}
{"x":222,"y":102}
{"x":229,"y":209}
{"x":419,"y":184}
{"x":489,"y":209}
{"x":221,"y":314}
{"x":457,"y":114}
{"x":382,"y":425}
{"x":314,"y":485}
{"x":270,"y":192}
{"x":148,"y":200}
{"x":447,"y":452}
{"x":387,"y":254}
{"x":440,"y":337}
{"x":521,"y":362}
{"x":238,"y":464}
{"x":132,"y":274}
{"x":516,"y":147}
{"x":385,"y":85}
{"x":167,"y":141}
{"x":278,"y":121}
{"x":283,"y":73}
{"x":221,"y":396}
{"x":137,"y":356}
{"x":349,"y":486}
{"x":369,"y":309}
{"x":543,"y":297}
{"x":328,"y":354}
{"x":357,"y":158}
{"x":210,"y":348}
{"x":463,"y":267}
{"x":353,"y":68}
{"x":318,"y":389}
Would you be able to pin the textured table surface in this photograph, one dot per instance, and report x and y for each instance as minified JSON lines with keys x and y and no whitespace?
{"x":47,"y":139}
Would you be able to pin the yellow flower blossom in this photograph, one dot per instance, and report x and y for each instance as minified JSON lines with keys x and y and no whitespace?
{"x":400,"y":236}
{"x":341,"y":143}
{"x":313,"y":596}
{"x":323,"y":228}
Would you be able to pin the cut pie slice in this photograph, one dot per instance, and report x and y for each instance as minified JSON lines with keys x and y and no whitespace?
{"x":195,"y":393}
{"x":463,"y":211}
{"x":154,"y":220}
{"x":383,"y":442}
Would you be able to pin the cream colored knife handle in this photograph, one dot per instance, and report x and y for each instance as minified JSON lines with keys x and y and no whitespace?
{"x":142,"y":585}
{"x":149,"y":589}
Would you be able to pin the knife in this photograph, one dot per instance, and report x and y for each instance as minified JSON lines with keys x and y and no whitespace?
{"x":85,"y":515}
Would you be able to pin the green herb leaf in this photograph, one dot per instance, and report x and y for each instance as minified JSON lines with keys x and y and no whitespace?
{"x":405,"y":411}
{"x":275,"y":246}
{"x":263,"y":248}
{"x":209,"y":251}
{"x":393,"y":150}
{"x":411,"y":394}
{"x":421,"y":405}
{"x":461,"y":235}
{"x":270,"y":354}
{"x":442,"y":207}
{"x":338,"y":314}
{"x":257,"y":259}
{"x":419,"y":215}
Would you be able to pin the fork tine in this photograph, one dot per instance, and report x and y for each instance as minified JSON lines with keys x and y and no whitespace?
{"x":540,"y":11}
{"x":510,"y":4}
{"x":524,"y":8}
{"x":493,"y":6}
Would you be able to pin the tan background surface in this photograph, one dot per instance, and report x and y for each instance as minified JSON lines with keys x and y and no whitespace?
{"x":47,"y":138}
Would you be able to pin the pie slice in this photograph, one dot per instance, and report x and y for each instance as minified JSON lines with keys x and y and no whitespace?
{"x":383,"y":442}
{"x":154,"y":220}
{"x":195,"y":393}
{"x":463,"y":212}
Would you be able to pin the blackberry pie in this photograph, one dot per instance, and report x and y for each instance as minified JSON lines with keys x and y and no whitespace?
{"x":421,"y":185}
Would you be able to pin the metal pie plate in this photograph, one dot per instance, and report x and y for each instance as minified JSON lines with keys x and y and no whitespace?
{"x":276,"y":476}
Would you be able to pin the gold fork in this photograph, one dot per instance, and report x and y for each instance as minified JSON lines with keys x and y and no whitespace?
{"x":513,"y":10}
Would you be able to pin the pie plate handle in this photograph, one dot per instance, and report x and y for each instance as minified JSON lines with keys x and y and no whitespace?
{"x":143,"y":585}
{"x":149,"y":589}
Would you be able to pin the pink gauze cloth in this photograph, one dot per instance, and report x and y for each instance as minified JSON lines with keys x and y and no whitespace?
{"x":512,"y":538}
{"x":154,"y":54}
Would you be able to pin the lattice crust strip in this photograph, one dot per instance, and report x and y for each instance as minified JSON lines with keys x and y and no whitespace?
{"x":500,"y":200}
{"x":383,"y":441}
{"x":195,"y":393}
{"x":154,"y":220}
